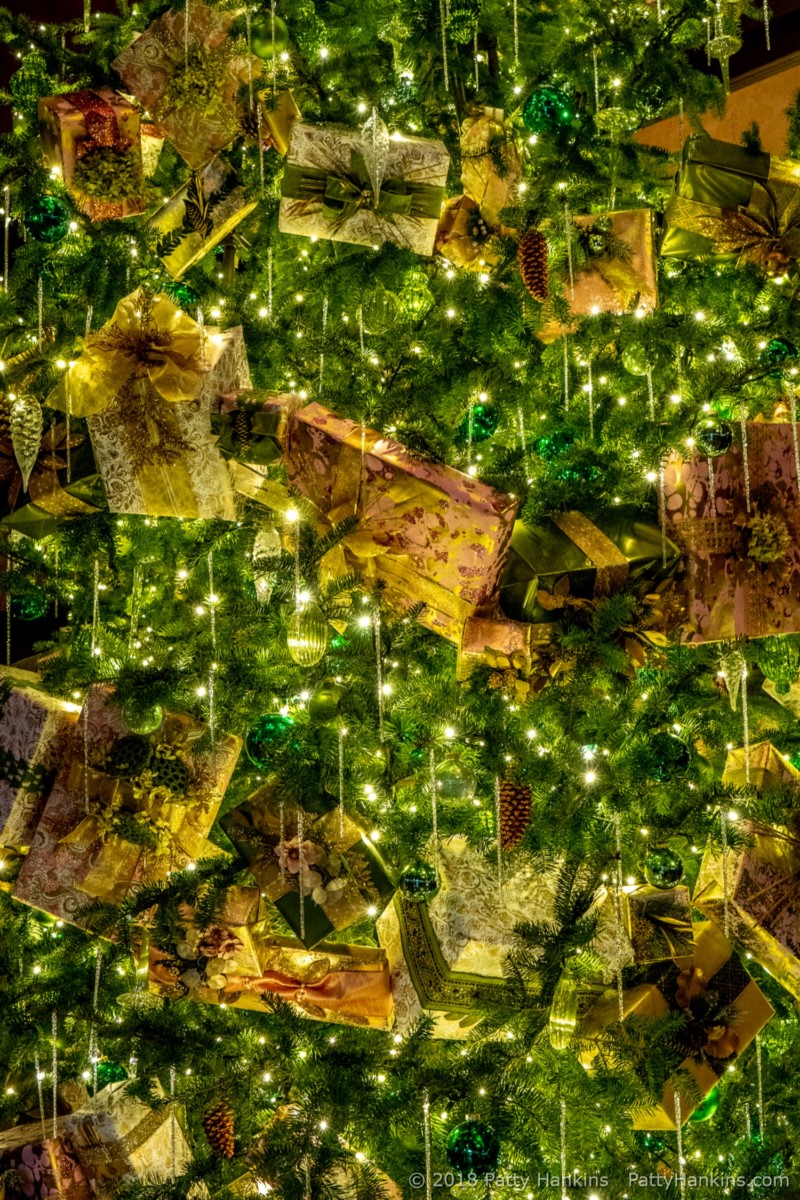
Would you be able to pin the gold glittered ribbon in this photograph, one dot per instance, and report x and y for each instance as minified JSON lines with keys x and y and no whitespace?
{"x":610,"y":563}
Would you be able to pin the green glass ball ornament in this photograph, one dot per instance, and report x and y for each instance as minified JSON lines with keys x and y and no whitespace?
{"x":777,"y":352}
{"x":47,"y":220}
{"x":485,"y":419}
{"x":671,"y":756}
{"x":141,"y":717}
{"x":713,"y":436}
{"x":706,"y":1109}
{"x":547,"y":110}
{"x":183,"y":294}
{"x":455,"y":781}
{"x":323,"y":707}
{"x":663,"y":868}
{"x":261,"y":35}
{"x":473,"y":1147}
{"x":267,"y":733}
{"x":380,"y":310}
{"x":110,"y":1072}
{"x":307,"y":635}
{"x":419,"y":882}
{"x":551,"y":445}
{"x":650,"y":1142}
{"x":636,"y":358}
{"x":31,"y":606}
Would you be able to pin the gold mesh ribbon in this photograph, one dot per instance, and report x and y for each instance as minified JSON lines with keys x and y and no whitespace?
{"x":109,"y":1161}
{"x":610,"y":563}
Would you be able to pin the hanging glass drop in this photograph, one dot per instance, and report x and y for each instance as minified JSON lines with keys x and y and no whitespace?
{"x":27,"y":425}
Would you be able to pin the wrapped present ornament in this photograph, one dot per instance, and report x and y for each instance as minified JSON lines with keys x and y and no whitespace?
{"x":191,"y":88}
{"x":740,"y":537}
{"x":365,"y":188}
{"x":491,"y":167}
{"x":732,"y":204}
{"x":762,"y":898}
{"x":658,"y":922}
{"x":723,"y":1008}
{"x":115,"y":1140}
{"x":615,"y":270}
{"x":35,"y":736}
{"x":322,"y":873}
{"x":196,"y":218}
{"x":231,"y":374}
{"x":465,"y":238}
{"x":276,"y":118}
{"x":230,"y":945}
{"x":125,"y":809}
{"x":347,"y":985}
{"x":94,"y":138}
{"x":63,"y":483}
{"x":138,"y":383}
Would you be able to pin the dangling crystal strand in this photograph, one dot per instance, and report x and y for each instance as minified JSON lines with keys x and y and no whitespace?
{"x":342,"y":736}
{"x":793,"y":414}
{"x":565,"y":342}
{"x":269,"y":282}
{"x":745,"y":725}
{"x":87,"y":15}
{"x":590,"y":393}
{"x":96,"y":606}
{"x":680,"y":121}
{"x":521,"y":427}
{"x":360,"y":320}
{"x":708,"y":40}
{"x":94,"y":1052}
{"x":248,"y":26}
{"x":499,"y":840}
{"x":475,"y":54}
{"x":712,"y":495}
{"x":470,"y":432}
{"x":434,"y":808}
{"x":212,"y":722}
{"x":618,"y":918}
{"x":212,"y":605}
{"x":282,"y":833}
{"x":86,"y":801}
{"x":443,"y":19}
{"x":259,"y":138}
{"x":596,"y":79}
{"x":516,"y":34}
{"x":186,"y":36}
{"x":679,"y":1127}
{"x":659,"y":13}
{"x":300,"y":832}
{"x":322,"y":352}
{"x":40,"y":308}
{"x":746,"y":449}
{"x":39,"y":1089}
{"x":8,"y":630}
{"x":274,"y":55}
{"x":54,"y":1026}
{"x":563,"y":1147}
{"x":376,"y":628}
{"x":651,"y":399}
{"x":568,"y":235}
{"x":173,"y":1133}
{"x":7,"y":234}
{"x":662,"y":513}
{"x":426,"y":1134}
{"x":136,"y":599}
{"x":726,"y":920}
{"x":766,"y":23}
{"x":748,"y":1120}
{"x":760,"y":1088}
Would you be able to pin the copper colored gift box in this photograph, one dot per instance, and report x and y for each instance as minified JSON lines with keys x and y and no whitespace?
{"x":76,"y":857}
{"x":80,"y":126}
{"x":35,"y":736}
{"x":620,"y":278}
{"x":742,"y":551}
{"x":763,"y":877}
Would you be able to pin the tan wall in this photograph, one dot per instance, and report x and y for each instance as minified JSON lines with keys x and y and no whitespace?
{"x":760,"y":96}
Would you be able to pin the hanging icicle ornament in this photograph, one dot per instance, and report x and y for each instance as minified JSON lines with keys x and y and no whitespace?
{"x":307,"y":634}
{"x":727,"y":39}
{"x":27,"y":425}
{"x":375,"y":143}
{"x":746,"y":449}
{"x":563,"y":1018}
{"x":730,"y":669}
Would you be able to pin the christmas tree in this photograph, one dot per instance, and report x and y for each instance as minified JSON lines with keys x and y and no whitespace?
{"x":400,"y":583}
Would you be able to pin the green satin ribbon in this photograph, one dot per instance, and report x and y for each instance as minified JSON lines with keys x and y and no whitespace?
{"x":341,"y":196}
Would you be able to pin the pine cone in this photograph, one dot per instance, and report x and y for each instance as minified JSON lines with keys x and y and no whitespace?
{"x":532,"y":260}
{"x":515,"y":813}
{"x":218,"y":1128}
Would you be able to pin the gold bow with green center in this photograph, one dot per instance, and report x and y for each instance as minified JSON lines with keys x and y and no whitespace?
{"x":343,"y":195}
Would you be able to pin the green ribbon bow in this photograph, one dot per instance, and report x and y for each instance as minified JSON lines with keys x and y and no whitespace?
{"x":341,"y":196}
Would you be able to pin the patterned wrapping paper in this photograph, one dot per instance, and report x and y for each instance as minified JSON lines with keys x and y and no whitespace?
{"x":233,"y":944}
{"x":460,"y":236}
{"x":346,"y":985}
{"x":658,"y":922}
{"x":230,"y":375}
{"x":276,"y":120}
{"x":447,"y":956}
{"x":75,"y":858}
{"x":153,"y":68}
{"x":763,"y":892}
{"x":619,"y":279}
{"x":426,"y":531}
{"x":252,"y":436}
{"x":117,"y":1139}
{"x":35,"y":735}
{"x":196,"y":218}
{"x":734,"y":205}
{"x":486,"y":137}
{"x":138,"y":383}
{"x":78,"y":127}
{"x":711,"y":980}
{"x":152,"y":145}
{"x":742,"y":568}
{"x":25,"y":1152}
{"x":327,"y":191}
{"x":63,"y":483}
{"x":320,"y":882}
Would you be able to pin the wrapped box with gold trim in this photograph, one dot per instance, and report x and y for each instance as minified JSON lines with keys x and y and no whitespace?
{"x":322,"y":873}
{"x":724,"y":1011}
{"x":63,"y":483}
{"x":763,"y":895}
{"x":346,"y":985}
{"x":329,"y":188}
{"x":658,"y":922}
{"x":35,"y":737}
{"x":202,"y":212}
{"x":94,"y":138}
{"x":232,"y":944}
{"x":491,"y":167}
{"x":618,"y":276}
{"x":230,"y":375}
{"x":164,"y":788}
{"x":276,"y":119}
{"x":741,"y":538}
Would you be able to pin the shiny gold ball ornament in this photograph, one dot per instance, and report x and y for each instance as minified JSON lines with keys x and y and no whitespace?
{"x":307,"y":636}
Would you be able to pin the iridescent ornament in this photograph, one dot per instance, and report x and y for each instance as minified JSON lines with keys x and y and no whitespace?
{"x":548,"y":110}
{"x":307,"y":635}
{"x":262,"y":26}
{"x":473,"y":1147}
{"x":663,"y":868}
{"x":777,"y":352}
{"x":419,"y":882}
{"x":323,"y":707}
{"x":184,"y":295}
{"x":47,"y":220}
{"x":650,"y":1142}
{"x":27,"y":424}
{"x":706,"y":1108}
{"x":141,"y":716}
{"x":563,"y":1019}
{"x":671,"y":756}
{"x":713,"y":436}
{"x":551,"y":445}
{"x":31,"y":606}
{"x":455,"y":781}
{"x":267,"y":733}
{"x":485,"y":419}
{"x":110,"y":1072}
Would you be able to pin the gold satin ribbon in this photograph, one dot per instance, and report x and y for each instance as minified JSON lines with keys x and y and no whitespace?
{"x":610,"y":563}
